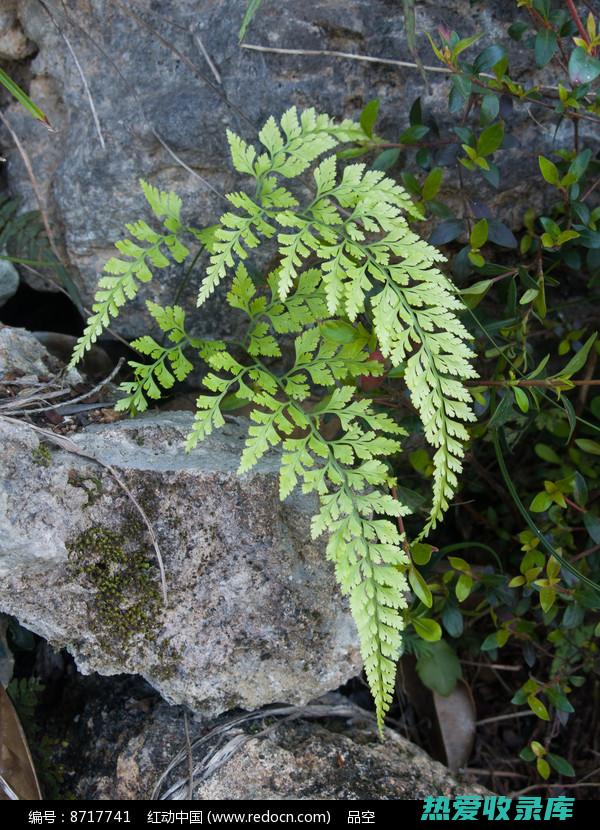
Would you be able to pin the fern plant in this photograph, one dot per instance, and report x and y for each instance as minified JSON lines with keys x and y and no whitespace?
{"x":353,"y":279}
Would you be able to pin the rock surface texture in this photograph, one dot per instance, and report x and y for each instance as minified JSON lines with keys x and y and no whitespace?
{"x":21,"y":354}
{"x":253,"y":614}
{"x":328,"y":751}
{"x":151,"y":85}
{"x":13,"y":43}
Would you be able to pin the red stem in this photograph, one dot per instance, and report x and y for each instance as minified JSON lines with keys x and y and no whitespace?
{"x":577,"y":19}
{"x":572,"y":504}
{"x":400,"y":522}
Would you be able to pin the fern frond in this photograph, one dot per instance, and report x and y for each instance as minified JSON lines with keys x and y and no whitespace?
{"x":301,"y":139}
{"x":367,"y":551}
{"x":208,"y":418}
{"x":414,"y":310}
{"x":165,"y":205}
{"x":417,"y":323}
{"x":234,"y":235}
{"x":169,"y":362}
{"x":377,"y":286}
{"x":242,"y":154}
{"x":122,"y":277}
{"x":346,"y":472}
{"x":290,"y":147}
{"x":268,"y":422}
{"x":324,"y":361}
{"x":301,"y":309}
{"x":371,"y":260}
{"x":305,"y":307}
{"x":249,"y":381}
{"x":371,"y":188}
{"x":295,"y":248}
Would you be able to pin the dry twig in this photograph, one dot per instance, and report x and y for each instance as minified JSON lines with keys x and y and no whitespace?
{"x":349,"y":55}
{"x":226,"y":746}
{"x":34,"y":184}
{"x":80,"y":71}
{"x":17,"y":406}
{"x":207,"y":57}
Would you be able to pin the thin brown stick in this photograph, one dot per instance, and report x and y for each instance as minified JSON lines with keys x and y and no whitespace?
{"x":207,"y":57}
{"x":526,"y":713}
{"x":591,"y":189}
{"x":80,"y":71}
{"x":590,"y":370}
{"x":575,"y":15}
{"x":35,"y":186}
{"x":372,"y":59}
{"x":584,"y":553}
{"x":497,"y":666}
{"x":18,"y":401}
{"x":499,"y":773}
{"x":548,"y":383}
{"x":97,"y":388}
{"x":335,"y":54}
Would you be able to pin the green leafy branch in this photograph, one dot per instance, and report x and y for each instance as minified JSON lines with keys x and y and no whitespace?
{"x":169,"y":362}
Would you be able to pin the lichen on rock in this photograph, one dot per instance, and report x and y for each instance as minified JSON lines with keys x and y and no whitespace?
{"x":125,"y":601}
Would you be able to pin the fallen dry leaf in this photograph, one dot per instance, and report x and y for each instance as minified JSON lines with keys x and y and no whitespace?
{"x":18,"y":781}
{"x":456,"y":721}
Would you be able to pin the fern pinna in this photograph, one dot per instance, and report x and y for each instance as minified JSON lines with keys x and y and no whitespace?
{"x":352,"y":278}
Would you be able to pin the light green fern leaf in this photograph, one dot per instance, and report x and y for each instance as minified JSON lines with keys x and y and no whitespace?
{"x":265,"y":432}
{"x":242,"y":154}
{"x":123,"y":275}
{"x":236,"y":233}
{"x":169,"y":363}
{"x":306,"y":306}
{"x":415,"y":320}
{"x":375,"y":285}
{"x":367,"y":551}
{"x":165,"y":205}
{"x":208,"y":417}
{"x":291,"y":149}
{"x":294,"y":248}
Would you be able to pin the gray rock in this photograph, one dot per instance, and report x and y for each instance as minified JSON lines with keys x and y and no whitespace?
{"x":22,"y":354}
{"x":253,"y":614}
{"x":308,"y":760}
{"x":9,"y":280}
{"x":24,"y":358}
{"x":148,"y":78}
{"x":329,"y":750}
{"x":13,"y":43}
